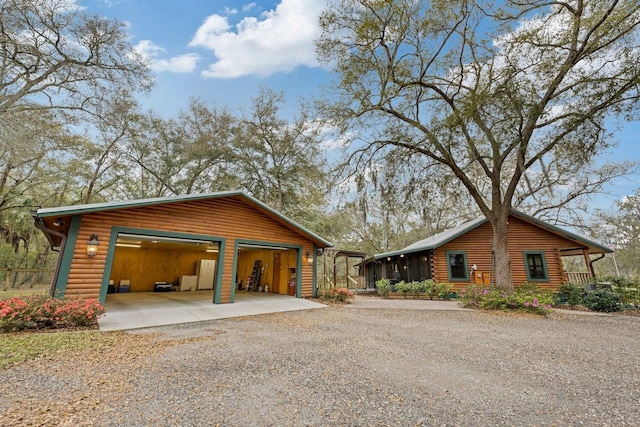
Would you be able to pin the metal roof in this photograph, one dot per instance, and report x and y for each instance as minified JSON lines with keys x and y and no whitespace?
{"x":440,"y":239}
{"x":127,"y":204}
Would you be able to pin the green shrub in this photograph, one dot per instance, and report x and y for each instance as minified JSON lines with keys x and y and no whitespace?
{"x":403,"y":287}
{"x":42,"y":312}
{"x":443,"y":290}
{"x":383,"y":287}
{"x":603,"y":300}
{"x":429,"y":288}
{"x":629,"y":289}
{"x":572,"y":294}
{"x":416,"y":288}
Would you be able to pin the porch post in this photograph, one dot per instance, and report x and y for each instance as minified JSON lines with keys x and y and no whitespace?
{"x":587,"y":259}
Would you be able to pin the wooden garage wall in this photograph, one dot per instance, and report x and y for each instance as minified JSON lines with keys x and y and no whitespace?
{"x":288,"y":260}
{"x":144,"y":267}
{"x":523,"y":236}
{"x":229,"y":217}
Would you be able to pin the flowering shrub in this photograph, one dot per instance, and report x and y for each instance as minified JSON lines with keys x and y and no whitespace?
{"x":40,"y":312}
{"x":337,"y":295}
{"x":526,"y":298}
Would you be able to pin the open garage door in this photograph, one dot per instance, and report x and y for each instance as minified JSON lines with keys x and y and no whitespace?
{"x":269,"y":269}
{"x":147,"y":263}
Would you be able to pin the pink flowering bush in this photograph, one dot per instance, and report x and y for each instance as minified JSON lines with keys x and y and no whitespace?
{"x":525,"y":298}
{"x":337,"y":295}
{"x":44,"y":312}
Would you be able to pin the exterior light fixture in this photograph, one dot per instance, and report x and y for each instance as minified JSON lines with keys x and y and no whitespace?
{"x":92,"y":246}
{"x":309,"y":258}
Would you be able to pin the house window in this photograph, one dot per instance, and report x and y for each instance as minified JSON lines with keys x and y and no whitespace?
{"x":457,"y":266}
{"x":536,"y":266}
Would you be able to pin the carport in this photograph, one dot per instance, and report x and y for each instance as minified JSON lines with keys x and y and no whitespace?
{"x":149,"y":309}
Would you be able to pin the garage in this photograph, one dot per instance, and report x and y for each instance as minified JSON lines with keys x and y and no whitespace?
{"x":223,"y":243}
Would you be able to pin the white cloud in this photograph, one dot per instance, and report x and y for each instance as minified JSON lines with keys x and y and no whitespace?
{"x":248,"y":7}
{"x":278,"y":41}
{"x":150,"y":51}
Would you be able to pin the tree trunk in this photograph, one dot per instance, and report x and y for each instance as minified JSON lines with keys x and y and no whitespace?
{"x":502,"y":259}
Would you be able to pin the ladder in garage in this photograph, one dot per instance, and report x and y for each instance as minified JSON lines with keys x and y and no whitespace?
{"x":254,"y":280}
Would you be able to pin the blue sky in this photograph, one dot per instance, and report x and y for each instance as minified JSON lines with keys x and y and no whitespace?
{"x":223,"y":51}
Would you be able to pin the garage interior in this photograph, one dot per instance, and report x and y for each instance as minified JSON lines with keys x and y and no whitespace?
{"x":143,"y":263}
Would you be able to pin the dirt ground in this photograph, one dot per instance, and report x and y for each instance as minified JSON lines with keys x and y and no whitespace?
{"x":360,"y":364}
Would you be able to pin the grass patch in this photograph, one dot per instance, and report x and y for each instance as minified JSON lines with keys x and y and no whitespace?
{"x":19,"y":347}
{"x":19,"y":292}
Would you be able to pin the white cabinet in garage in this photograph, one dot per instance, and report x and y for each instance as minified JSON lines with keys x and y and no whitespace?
{"x":206,"y":270}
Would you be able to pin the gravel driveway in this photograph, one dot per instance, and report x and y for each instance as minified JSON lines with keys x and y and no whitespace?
{"x":360,"y":365}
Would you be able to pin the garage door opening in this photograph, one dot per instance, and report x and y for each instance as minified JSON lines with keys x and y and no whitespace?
{"x":266,"y":269}
{"x":147,"y":263}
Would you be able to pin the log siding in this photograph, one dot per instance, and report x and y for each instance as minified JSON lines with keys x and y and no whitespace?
{"x":523,"y":237}
{"x":228,"y":218}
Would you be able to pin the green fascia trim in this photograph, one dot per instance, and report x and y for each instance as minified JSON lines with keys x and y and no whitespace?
{"x":160,"y":233}
{"x":97,"y":207}
{"x":466,"y":266}
{"x":299,"y":274}
{"x":219,"y":270}
{"x":314,"y":292}
{"x":67,"y":256}
{"x":544,"y":265}
{"x":298,"y":248}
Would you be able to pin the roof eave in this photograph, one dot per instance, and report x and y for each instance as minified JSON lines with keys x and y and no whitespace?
{"x":129,"y":204}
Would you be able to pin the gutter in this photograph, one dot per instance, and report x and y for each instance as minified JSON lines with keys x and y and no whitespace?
{"x":40,"y":225}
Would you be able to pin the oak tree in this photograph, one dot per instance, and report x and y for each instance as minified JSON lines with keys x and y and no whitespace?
{"x":495,"y":91}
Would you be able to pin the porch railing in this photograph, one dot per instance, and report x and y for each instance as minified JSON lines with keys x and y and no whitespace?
{"x":578,"y":278}
{"x":343,"y":281}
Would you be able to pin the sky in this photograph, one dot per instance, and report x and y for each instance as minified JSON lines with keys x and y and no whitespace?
{"x":222,"y":51}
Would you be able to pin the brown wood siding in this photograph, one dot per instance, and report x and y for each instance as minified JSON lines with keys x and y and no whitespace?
{"x":523,"y":236}
{"x":229,"y":218}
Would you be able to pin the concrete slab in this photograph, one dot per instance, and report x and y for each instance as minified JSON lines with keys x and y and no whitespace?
{"x":147,"y":309}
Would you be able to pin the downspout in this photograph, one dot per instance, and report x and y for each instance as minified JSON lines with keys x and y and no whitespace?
{"x":39,"y":224}
{"x":591,"y":261}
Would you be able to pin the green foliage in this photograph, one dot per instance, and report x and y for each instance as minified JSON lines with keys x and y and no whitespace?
{"x":44,"y":312}
{"x":403,"y":287}
{"x":622,"y":227}
{"x":341,"y":295}
{"x":525,"y":298}
{"x":383,"y":287}
{"x":443,"y":290}
{"x":602,"y":300}
{"x":429,"y":287}
{"x":628,"y":288}
{"x":571,"y":293}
